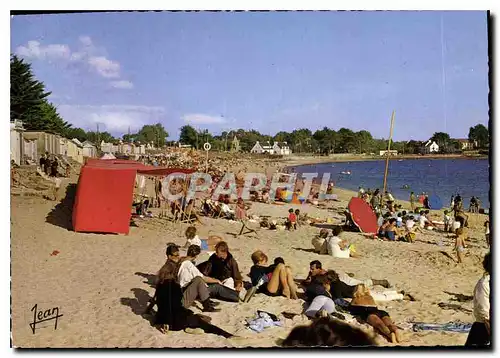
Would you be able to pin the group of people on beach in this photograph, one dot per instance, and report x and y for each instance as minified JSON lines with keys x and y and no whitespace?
{"x":180,"y":283}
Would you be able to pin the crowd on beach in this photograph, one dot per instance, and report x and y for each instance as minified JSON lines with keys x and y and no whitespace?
{"x":332,"y":297}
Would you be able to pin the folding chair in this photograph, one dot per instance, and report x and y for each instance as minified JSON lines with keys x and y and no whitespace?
{"x":248,"y":230}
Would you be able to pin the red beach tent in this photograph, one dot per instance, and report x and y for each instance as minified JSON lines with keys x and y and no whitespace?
{"x":104,"y":194}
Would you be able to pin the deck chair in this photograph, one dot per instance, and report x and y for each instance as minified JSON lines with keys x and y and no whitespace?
{"x":245,"y":227}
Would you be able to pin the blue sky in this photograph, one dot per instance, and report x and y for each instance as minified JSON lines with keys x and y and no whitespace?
{"x":269,"y":71}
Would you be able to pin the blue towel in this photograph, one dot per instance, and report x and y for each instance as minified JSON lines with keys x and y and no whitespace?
{"x":262,"y":321}
{"x":458,"y":327}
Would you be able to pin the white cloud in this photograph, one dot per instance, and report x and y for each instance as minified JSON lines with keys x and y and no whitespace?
{"x":36,"y":51}
{"x":202,"y":119}
{"x":88,"y":55}
{"x":122,"y":84}
{"x":103,"y":66}
{"x":112,"y":118}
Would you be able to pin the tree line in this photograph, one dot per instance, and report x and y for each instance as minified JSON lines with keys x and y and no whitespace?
{"x":328,"y":141}
{"x":29,"y":103}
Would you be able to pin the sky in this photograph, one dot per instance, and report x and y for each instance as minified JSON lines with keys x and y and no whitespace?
{"x":269,"y":71}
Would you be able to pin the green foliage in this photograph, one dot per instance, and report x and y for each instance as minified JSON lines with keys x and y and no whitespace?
{"x":96,"y":138}
{"x":189,"y":136}
{"x":77,"y":133}
{"x":479,"y":134}
{"x":26,"y":94}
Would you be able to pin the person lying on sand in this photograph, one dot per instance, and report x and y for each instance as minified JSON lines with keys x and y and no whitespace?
{"x":316,"y":268}
{"x":319,"y":298}
{"x":363,"y":305}
{"x":277,"y":280}
{"x":327,"y":332}
{"x":222,"y":266}
{"x":340,"y":290}
{"x":172,"y":314}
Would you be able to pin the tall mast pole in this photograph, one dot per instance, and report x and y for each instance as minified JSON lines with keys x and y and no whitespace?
{"x":388,"y":153}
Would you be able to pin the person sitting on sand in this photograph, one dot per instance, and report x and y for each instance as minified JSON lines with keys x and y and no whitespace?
{"x":291,"y":222}
{"x":226,"y":210}
{"x":423,"y":220}
{"x":390,"y":229}
{"x":277,"y":280}
{"x":363,"y":305}
{"x":222,"y":266}
{"x":172,"y":314}
{"x":265,"y":196}
{"x":408,"y":234}
{"x":316,"y":268}
{"x":205,"y":244}
{"x":319,"y":242}
{"x":336,"y":246}
{"x":327,"y":332}
{"x":193,"y":282}
{"x":480,"y":332}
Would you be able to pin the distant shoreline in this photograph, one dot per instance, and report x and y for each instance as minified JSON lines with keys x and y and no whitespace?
{"x":299,"y":161}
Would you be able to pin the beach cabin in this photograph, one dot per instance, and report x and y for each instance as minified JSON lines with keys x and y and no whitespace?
{"x":46,"y":142}
{"x":16,"y":141}
{"x":260,"y":149}
{"x":125,"y":148}
{"x":89,"y":149}
{"x":108,"y":147}
{"x":139,"y":148}
{"x":391,"y":152}
{"x":430,"y":147}
{"x":75,"y":150}
{"x":30,"y":149}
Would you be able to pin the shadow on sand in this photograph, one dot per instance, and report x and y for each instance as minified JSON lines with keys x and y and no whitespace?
{"x":62,"y":213}
{"x":139,"y":303}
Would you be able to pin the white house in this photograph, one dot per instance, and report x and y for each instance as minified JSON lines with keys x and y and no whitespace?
{"x":465,"y":144}
{"x":283,"y":150}
{"x":430,"y":147}
{"x":260,"y":149}
{"x":391,"y":152}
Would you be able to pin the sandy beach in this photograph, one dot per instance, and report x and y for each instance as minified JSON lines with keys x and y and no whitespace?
{"x":101,"y":284}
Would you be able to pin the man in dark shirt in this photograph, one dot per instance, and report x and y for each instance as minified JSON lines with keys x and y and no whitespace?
{"x":223,"y":267}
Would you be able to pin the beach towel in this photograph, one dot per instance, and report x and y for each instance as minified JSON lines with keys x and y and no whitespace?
{"x":261,"y":321}
{"x":458,"y":327}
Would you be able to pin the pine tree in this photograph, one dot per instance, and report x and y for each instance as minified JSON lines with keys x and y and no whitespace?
{"x":26,"y":93}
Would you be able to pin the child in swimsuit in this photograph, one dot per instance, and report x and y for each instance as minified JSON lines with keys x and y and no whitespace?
{"x":460,"y":244}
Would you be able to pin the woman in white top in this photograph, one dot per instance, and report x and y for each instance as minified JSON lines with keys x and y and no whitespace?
{"x":480,"y":332}
{"x":336,"y":246}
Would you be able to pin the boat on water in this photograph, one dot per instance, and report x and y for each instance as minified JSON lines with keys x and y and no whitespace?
{"x":400,"y":160}
{"x":348,"y":172}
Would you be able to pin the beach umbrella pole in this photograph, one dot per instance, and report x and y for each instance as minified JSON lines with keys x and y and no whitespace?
{"x":388,"y":154}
